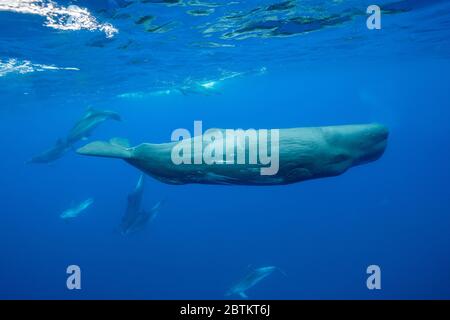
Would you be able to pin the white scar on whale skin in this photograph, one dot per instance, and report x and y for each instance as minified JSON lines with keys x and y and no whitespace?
{"x":59,"y":17}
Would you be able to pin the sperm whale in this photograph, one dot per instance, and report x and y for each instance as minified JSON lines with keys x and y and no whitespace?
{"x":304,"y":153}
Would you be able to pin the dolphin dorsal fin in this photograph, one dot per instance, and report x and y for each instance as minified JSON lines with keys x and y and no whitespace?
{"x":122,"y":142}
{"x":141,"y":180}
{"x":89,"y":112}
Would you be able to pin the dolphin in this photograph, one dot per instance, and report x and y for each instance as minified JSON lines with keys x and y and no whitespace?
{"x":304,"y":153}
{"x":135,"y":218}
{"x":205,"y":88}
{"x":141,"y":219}
{"x":81,"y":130}
{"x":76,"y":210}
{"x":135,"y":197}
{"x":91,"y":119}
{"x":133,"y":211}
{"x":57,"y":151}
{"x":250,"y":280}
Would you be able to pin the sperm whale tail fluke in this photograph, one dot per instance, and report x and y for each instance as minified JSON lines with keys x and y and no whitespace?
{"x":114,"y":148}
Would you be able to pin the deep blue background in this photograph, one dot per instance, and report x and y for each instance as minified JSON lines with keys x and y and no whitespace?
{"x":322,"y":233}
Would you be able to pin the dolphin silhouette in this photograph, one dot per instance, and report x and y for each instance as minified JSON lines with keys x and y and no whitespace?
{"x":57,"y":151}
{"x":74,"y":211}
{"x":91,"y":119}
{"x":135,"y":218}
{"x":81,"y":130}
{"x":250,"y":280}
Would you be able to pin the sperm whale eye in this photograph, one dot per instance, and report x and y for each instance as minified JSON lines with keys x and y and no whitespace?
{"x":341,"y":157}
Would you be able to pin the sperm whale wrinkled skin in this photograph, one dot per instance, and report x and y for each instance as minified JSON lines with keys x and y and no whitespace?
{"x":304,"y":153}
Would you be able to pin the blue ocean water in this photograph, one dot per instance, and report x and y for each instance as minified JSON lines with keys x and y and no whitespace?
{"x":243,"y":64}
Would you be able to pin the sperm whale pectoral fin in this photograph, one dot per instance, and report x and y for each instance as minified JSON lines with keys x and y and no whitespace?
{"x":105,"y":149}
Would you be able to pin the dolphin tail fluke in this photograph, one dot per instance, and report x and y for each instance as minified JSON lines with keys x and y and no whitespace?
{"x":282,"y":272}
{"x":111,"y":149}
{"x":243,"y":295}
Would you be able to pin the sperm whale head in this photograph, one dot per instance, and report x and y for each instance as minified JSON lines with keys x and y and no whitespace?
{"x":354,"y":145}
